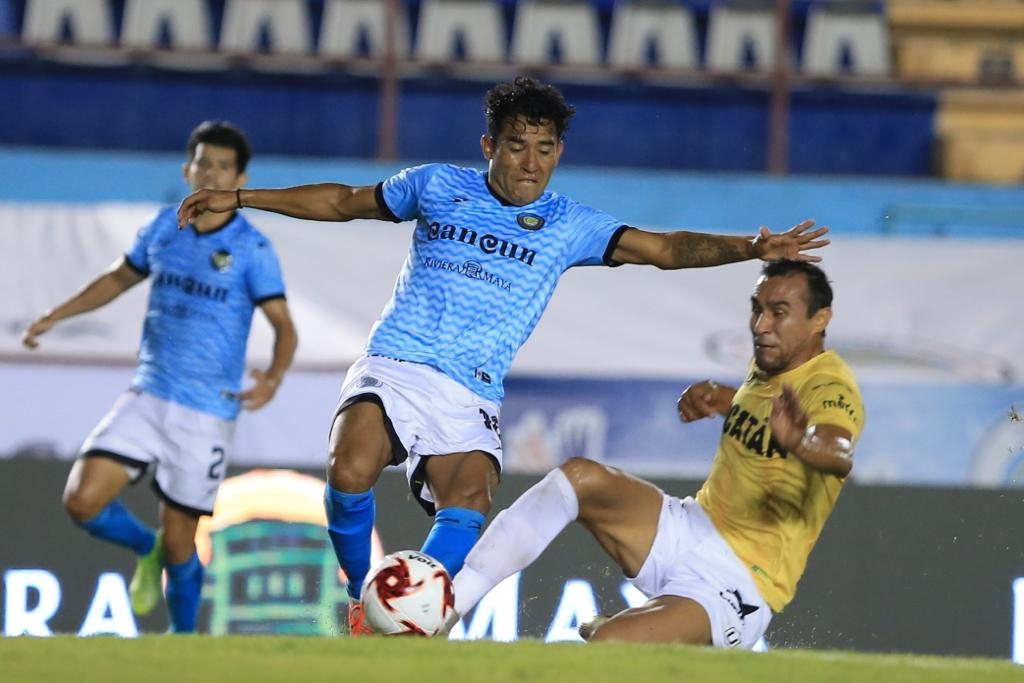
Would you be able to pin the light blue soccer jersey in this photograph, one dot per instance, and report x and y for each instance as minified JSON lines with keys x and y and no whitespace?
{"x":480,"y":272}
{"x":204,"y":288}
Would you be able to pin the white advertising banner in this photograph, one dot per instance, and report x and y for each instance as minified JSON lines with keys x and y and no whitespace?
{"x":919,"y":317}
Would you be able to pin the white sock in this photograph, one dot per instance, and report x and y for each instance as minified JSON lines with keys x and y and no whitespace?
{"x":516,"y":537}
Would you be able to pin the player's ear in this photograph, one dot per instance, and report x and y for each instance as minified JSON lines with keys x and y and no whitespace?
{"x":821,"y":319}
{"x":487,"y":146}
{"x":184,"y":170}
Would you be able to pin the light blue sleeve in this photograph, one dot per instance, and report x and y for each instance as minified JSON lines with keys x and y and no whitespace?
{"x":593,"y":239}
{"x":402,"y":191}
{"x":263,"y":277}
{"x":138,"y":255}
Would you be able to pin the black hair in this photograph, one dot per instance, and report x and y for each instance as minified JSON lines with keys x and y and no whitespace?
{"x":221,"y":134}
{"x":532,"y":100}
{"x":819,"y":291}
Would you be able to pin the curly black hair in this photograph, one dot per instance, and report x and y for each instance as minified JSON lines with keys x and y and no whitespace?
{"x":530,"y":99}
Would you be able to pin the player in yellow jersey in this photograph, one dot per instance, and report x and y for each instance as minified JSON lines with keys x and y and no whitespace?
{"x":713,"y":569}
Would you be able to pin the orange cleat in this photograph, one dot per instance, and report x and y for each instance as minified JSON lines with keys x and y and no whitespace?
{"x":357,"y":626}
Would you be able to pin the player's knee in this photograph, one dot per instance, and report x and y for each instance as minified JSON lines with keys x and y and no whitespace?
{"x":587,"y":477}
{"x":79,"y":506}
{"x":349,"y":472}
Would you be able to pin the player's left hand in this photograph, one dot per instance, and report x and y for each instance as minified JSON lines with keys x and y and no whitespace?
{"x":788,"y":420}
{"x":791,"y":244}
{"x":201,"y":201}
{"x":260,"y":393}
{"x":30,"y":338}
{"x":700,"y":400}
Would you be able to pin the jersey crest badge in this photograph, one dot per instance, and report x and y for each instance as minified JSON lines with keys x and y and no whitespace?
{"x":530,"y":221}
{"x":221,"y":260}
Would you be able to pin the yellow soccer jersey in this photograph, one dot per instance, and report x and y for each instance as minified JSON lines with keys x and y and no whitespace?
{"x":768,"y":505}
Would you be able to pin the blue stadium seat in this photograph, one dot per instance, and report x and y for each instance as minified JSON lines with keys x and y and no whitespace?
{"x":8,"y":21}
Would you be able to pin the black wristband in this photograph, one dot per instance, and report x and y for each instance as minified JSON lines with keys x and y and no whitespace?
{"x":238,"y":197}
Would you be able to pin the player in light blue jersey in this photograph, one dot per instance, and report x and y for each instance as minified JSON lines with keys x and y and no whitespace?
{"x":178,"y":416}
{"x":487,"y":252}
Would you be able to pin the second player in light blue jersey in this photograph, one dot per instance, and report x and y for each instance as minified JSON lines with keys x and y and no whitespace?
{"x":178,"y":416}
{"x":487,"y":251}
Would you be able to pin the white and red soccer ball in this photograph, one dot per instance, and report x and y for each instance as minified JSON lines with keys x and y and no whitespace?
{"x":408,"y":593}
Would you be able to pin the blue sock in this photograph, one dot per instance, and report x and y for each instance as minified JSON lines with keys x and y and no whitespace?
{"x":116,"y":524}
{"x":350,"y":525}
{"x":184,"y":588}
{"x":452,"y":537}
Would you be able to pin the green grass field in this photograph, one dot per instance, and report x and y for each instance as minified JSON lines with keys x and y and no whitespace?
{"x":183,"y":659}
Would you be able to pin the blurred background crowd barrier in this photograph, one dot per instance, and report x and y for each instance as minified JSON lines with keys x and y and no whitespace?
{"x":909,"y":87}
{"x":900,"y":124}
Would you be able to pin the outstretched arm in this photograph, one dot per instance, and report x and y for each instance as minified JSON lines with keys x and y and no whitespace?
{"x":824,"y":447}
{"x":682,"y":249}
{"x":104,"y":289}
{"x":286,"y":340}
{"x":321,"y":202}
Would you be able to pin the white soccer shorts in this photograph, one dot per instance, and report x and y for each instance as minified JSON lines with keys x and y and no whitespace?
{"x":427,"y":412}
{"x":689,"y":559}
{"x":188,"y":448}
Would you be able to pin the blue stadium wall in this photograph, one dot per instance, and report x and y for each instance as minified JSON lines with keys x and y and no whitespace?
{"x":711,"y":128}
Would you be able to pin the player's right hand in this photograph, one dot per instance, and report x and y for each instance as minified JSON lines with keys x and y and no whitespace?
{"x":788,"y":420}
{"x":40,"y":326}
{"x":698,"y":401}
{"x":201,"y":201}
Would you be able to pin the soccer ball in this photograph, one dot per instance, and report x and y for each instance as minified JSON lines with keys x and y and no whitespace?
{"x":408,"y":593}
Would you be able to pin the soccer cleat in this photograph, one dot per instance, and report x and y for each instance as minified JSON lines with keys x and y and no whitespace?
{"x":357,"y":626}
{"x":588,"y":628}
{"x":146,"y":589}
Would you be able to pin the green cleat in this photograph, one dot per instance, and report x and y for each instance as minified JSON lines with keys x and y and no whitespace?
{"x":146,"y":587}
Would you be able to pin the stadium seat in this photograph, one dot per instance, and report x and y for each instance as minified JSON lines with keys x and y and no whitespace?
{"x":344,"y":21}
{"x":960,"y":59}
{"x":958,"y":40}
{"x":737,"y":30}
{"x":636,"y":26}
{"x":8,"y":21}
{"x":981,"y":135}
{"x":539,"y":24}
{"x":286,"y":23}
{"x":188,"y":22}
{"x":90,"y":22}
{"x":833,"y":28}
{"x":478,"y":22}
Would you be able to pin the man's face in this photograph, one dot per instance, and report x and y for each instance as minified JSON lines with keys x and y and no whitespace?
{"x":213,"y":168}
{"x":522,"y":158}
{"x":784,"y":337}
